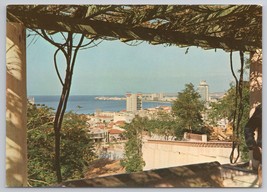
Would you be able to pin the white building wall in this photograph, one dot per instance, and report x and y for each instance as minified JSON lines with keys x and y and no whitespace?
{"x":127,"y":117}
{"x":158,"y":155}
{"x":203,"y":90}
{"x":132,"y":102}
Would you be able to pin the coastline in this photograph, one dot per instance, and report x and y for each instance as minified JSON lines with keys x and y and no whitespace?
{"x":87,"y":104}
{"x":103,"y":98}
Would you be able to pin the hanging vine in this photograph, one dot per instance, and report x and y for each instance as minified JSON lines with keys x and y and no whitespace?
{"x":70,"y":51}
{"x":238,"y":107}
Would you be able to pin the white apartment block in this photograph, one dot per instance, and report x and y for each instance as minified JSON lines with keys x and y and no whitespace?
{"x":133,"y":102}
{"x":203,"y":90}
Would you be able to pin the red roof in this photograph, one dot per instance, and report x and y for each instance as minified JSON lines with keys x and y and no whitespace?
{"x":115,"y":131}
{"x":120,"y":122}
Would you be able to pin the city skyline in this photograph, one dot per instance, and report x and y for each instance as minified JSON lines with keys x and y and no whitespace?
{"x":144,"y":68}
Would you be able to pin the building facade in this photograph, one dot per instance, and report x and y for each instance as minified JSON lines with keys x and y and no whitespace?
{"x":133,"y":102}
{"x":203,"y":90}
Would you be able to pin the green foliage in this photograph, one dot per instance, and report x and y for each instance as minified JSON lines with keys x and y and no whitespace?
{"x":225,"y":108}
{"x":188,"y":108}
{"x":133,"y":161}
{"x":186,"y":116}
{"x":77,"y":148}
{"x":40,"y":145}
{"x":164,"y":124}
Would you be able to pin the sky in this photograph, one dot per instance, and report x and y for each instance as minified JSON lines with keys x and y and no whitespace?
{"x":114,"y":68}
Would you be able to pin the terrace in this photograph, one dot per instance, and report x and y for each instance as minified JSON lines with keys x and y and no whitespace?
{"x":208,"y":175}
{"x":227,"y":27}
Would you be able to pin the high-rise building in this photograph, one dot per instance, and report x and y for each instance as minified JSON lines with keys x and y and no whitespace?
{"x":133,"y":102}
{"x":203,"y":90}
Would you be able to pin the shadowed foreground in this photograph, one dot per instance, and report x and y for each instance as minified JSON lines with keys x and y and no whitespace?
{"x":209,"y":175}
{"x":197,"y":175}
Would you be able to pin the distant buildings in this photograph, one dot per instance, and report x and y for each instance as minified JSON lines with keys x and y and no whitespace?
{"x":123,"y":116}
{"x":203,"y":90}
{"x":216,"y":96}
{"x":154,"y":96}
{"x":133,"y":102}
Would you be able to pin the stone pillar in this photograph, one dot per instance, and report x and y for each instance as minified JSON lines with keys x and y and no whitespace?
{"x":16,"y":106}
{"x":255,"y":79}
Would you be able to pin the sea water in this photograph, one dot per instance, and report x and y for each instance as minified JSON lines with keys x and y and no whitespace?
{"x":87,"y":104}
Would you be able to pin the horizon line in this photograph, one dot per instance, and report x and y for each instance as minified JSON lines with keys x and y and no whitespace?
{"x":114,"y":94}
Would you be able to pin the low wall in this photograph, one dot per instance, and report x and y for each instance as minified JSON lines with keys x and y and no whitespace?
{"x":160,"y":154}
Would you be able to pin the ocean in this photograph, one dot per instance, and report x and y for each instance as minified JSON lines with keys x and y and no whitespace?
{"x":87,"y":104}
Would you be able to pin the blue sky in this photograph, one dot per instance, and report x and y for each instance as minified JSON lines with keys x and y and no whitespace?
{"x":114,"y":68}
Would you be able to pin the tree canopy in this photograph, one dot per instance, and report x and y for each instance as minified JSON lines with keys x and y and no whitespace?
{"x":77,"y":147}
{"x":164,"y":124}
{"x":188,"y":108}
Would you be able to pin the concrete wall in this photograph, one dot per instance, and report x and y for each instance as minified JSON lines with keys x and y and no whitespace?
{"x":161,"y":154}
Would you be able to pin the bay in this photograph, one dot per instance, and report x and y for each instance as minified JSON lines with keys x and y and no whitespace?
{"x":87,"y":104}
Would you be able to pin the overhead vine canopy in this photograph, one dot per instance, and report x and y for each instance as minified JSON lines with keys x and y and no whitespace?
{"x":228,"y":27}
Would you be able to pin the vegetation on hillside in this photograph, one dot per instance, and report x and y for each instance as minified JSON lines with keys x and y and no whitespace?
{"x":77,"y":148}
{"x":133,"y":156}
{"x":225,"y":108}
{"x":163,"y":124}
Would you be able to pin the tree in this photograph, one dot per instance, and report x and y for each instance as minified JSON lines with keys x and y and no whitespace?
{"x":77,"y":147}
{"x":164,"y":124}
{"x":133,"y":156}
{"x":225,"y":108}
{"x":188,"y":108}
{"x":65,"y":44}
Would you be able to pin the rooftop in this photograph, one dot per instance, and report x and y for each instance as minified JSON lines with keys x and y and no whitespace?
{"x":115,"y":131}
{"x":217,"y":144}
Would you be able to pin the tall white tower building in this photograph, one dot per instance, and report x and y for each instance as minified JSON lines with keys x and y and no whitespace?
{"x":133,"y":102}
{"x":203,"y":90}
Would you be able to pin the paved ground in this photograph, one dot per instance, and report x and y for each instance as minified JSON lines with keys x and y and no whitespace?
{"x":234,"y":176}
